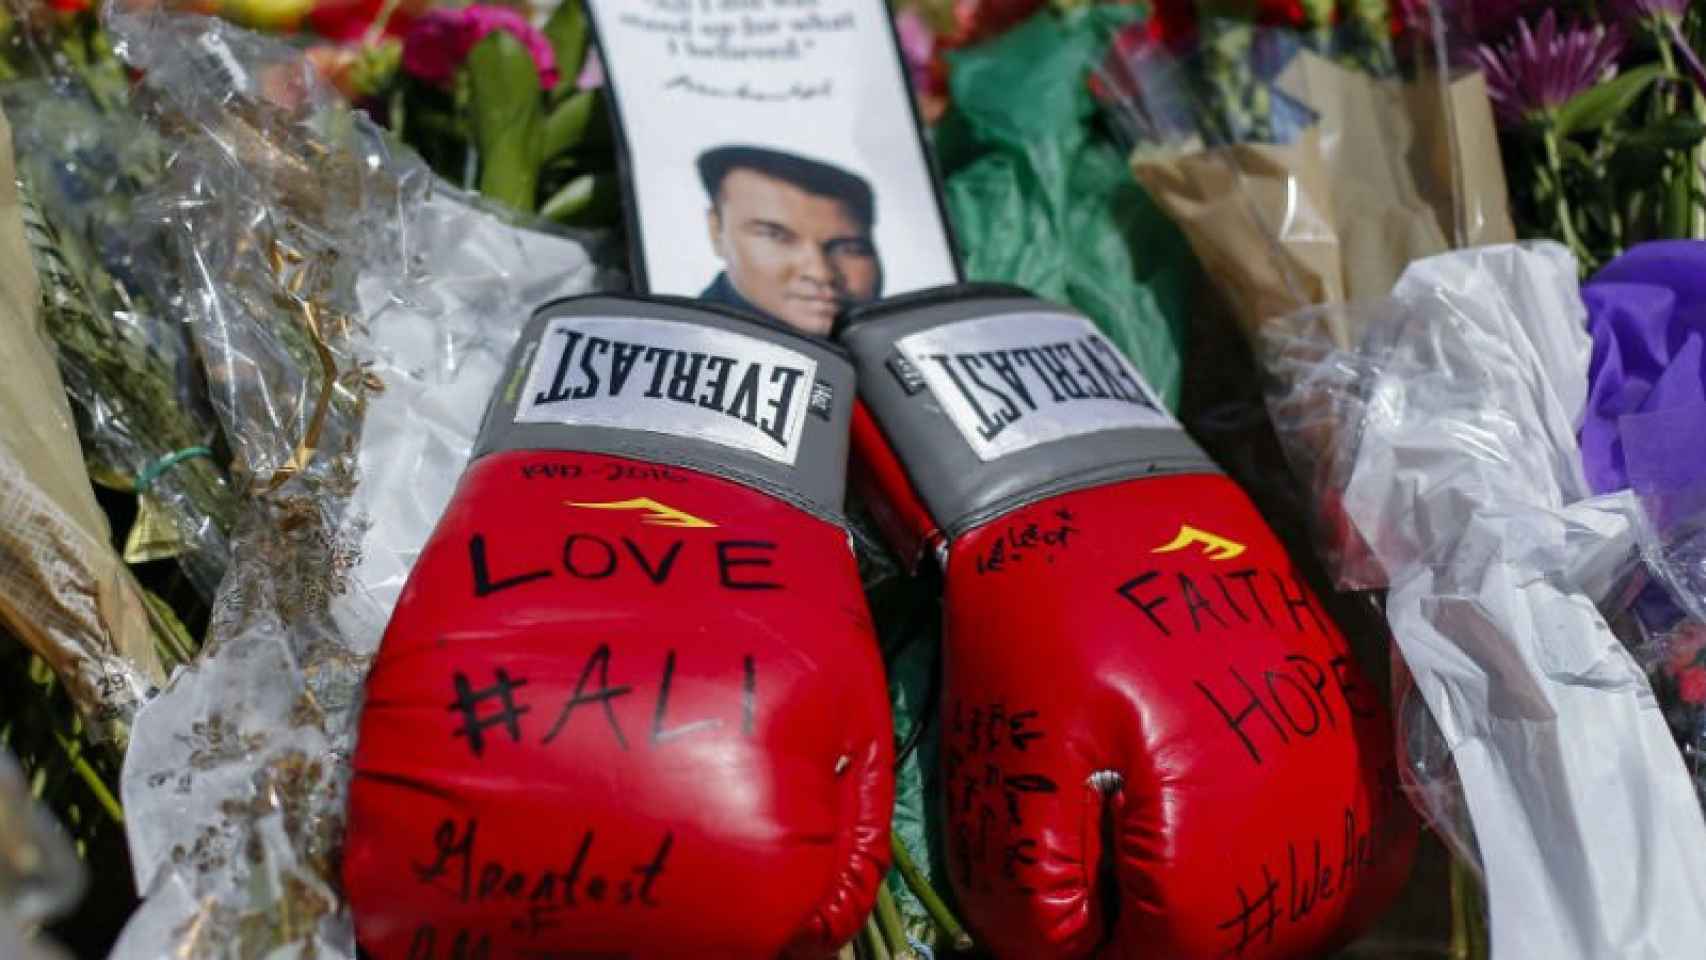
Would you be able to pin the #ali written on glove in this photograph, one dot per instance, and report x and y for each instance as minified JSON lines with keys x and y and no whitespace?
{"x":633,"y":664}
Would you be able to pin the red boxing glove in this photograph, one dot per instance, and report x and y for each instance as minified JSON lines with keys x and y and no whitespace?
{"x":630,"y":702}
{"x":1155,"y":742}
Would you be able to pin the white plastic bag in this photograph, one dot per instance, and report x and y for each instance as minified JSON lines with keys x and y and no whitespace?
{"x":1444,"y":444}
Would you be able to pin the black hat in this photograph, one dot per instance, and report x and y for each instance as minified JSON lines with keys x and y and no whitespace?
{"x":812,"y":176}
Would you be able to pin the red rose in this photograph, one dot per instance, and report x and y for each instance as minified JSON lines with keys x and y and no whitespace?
{"x":1692,"y":685}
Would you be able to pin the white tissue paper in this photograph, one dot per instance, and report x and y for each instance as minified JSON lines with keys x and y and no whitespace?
{"x":1466,"y":484}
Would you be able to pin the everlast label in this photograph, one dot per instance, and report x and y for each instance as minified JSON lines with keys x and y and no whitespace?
{"x":636,"y":373}
{"x":1017,"y":380}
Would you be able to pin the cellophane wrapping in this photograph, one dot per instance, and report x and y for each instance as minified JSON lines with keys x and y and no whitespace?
{"x":352,"y":315}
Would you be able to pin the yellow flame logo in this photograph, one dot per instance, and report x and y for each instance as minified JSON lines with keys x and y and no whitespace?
{"x":657,"y":514}
{"x":1213,"y":547}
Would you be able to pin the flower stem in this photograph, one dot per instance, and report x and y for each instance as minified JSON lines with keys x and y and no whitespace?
{"x":888,"y":920}
{"x":1561,"y":203}
{"x":928,"y":896}
{"x":1468,"y":927}
{"x":1696,"y":72}
{"x":1459,"y":949}
{"x":73,"y":751}
{"x":1674,"y":38}
{"x":1677,"y":218}
{"x":874,"y":944}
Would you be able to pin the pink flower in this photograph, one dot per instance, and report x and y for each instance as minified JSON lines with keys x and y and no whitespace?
{"x":1479,"y":21}
{"x":917,"y":45}
{"x":439,"y":41}
{"x":592,"y":72}
{"x":1692,"y":685}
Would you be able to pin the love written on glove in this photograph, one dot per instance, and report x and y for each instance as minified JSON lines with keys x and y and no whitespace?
{"x":630,"y":700}
{"x":1156,"y":742}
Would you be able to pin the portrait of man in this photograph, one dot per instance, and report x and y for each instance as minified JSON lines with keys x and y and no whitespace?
{"x":794,"y":235}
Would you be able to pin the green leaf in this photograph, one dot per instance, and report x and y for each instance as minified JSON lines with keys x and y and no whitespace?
{"x":1576,"y":154}
{"x":600,"y":134}
{"x":398,"y":113}
{"x":1594,"y":109}
{"x":568,"y":35}
{"x":1679,"y":205}
{"x":566,"y":124}
{"x":1672,"y":133}
{"x":504,"y":104}
{"x":591,"y":199}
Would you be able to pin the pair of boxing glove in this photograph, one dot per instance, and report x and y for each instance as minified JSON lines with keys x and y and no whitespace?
{"x":630,"y":703}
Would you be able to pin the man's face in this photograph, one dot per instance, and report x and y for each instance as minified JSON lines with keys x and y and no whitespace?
{"x":797,"y":256}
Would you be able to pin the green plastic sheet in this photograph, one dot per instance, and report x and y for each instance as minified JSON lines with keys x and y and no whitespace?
{"x":1040,"y":196}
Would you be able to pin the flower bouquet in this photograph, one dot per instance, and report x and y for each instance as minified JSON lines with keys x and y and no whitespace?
{"x":493,"y":101}
{"x":1602,"y":109}
{"x":1308,"y":160}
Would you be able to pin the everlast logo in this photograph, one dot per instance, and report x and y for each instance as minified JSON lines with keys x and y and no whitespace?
{"x":650,"y":375}
{"x":592,"y":368}
{"x":1003,"y":386}
{"x":1012,"y":381}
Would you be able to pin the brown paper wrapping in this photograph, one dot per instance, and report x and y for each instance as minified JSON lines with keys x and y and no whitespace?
{"x":1457,"y":165}
{"x":63,"y":590}
{"x":1387,"y":175}
{"x":1220,"y":196}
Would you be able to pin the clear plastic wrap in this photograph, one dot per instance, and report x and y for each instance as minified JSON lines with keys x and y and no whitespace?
{"x":1306,"y":167}
{"x":1441,"y":448}
{"x":109,"y":305}
{"x":112,"y":312}
{"x":63,"y":591}
{"x":352,"y":314}
{"x":1664,"y":617}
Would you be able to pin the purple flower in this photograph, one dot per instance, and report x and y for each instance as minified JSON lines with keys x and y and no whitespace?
{"x":439,"y":41}
{"x":1666,"y":17}
{"x":1539,"y":70}
{"x":1479,"y":21}
{"x":1649,"y":9}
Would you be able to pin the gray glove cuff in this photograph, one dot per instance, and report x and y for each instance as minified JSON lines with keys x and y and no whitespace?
{"x":676,"y":383}
{"x":993,"y":399}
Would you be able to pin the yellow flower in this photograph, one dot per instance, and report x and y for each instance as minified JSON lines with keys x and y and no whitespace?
{"x":277,"y":15}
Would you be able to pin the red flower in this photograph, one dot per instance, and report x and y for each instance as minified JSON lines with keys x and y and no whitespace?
{"x":1281,"y":13}
{"x":976,"y":20}
{"x":1692,"y":685}
{"x":1685,"y":646}
{"x":1172,"y":23}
